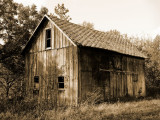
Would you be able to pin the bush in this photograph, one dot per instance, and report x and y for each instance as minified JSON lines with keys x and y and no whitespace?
{"x":153,"y":92}
{"x":93,"y":97}
{"x":25,"y":106}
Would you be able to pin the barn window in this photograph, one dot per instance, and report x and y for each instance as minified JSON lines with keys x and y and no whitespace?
{"x":48,"y":38}
{"x":61,"y":82}
{"x":36,"y":85}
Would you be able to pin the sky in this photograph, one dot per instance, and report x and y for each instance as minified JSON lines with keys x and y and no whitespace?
{"x":132,"y":17}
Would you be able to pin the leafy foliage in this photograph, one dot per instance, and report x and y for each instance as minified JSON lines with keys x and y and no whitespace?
{"x":17,"y":24}
{"x":8,"y":81}
{"x":8,"y":21}
{"x":62,"y":11}
{"x":152,"y":63}
{"x":88,"y":25}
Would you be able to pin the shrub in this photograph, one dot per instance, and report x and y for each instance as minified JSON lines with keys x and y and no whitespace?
{"x":93,"y":97}
{"x":153,"y":92}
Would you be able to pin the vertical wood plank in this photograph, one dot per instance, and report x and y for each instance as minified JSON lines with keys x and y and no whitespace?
{"x":40,"y":68}
{"x":65,"y":76}
{"x":67,"y":42}
{"x":55,"y":37}
{"x":114,"y":82}
{"x":58,"y":39}
{"x":64,"y":41}
{"x":40,"y":40}
{"x":79,"y":76}
{"x":122,"y":84}
{"x":52,"y":36}
{"x":71,"y":72}
{"x":68,"y":75}
{"x":27,"y":72}
{"x":119,"y":82}
{"x":76,"y":74}
{"x":111,"y":85}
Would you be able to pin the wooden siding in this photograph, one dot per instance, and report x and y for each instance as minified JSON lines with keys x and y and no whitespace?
{"x":58,"y":40}
{"x":60,"y":60}
{"x":84,"y":69}
{"x":114,"y":74}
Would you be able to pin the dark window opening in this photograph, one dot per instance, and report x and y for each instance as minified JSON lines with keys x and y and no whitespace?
{"x":48,"y":38}
{"x":60,"y":79}
{"x":48,"y":43}
{"x":35,"y":92}
{"x":36,"y":79}
{"x":61,"y":85}
{"x":61,"y":82}
{"x":36,"y":85}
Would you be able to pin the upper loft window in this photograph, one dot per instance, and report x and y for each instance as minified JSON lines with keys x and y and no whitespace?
{"x":48,"y":38}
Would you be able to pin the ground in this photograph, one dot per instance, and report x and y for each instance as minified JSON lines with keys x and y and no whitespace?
{"x":137,"y":110}
{"x":146,"y":109}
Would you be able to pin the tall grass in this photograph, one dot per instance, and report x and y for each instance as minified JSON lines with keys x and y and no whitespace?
{"x":145,"y":109}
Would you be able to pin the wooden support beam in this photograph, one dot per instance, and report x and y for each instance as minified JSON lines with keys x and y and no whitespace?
{"x":118,"y":71}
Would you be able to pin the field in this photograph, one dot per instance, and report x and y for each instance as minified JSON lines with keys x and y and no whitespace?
{"x":137,"y":110}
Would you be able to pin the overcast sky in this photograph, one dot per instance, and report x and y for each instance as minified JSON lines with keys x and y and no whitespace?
{"x":133,"y":17}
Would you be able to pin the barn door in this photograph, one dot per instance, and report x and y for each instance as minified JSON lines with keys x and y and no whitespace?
{"x":105,"y":84}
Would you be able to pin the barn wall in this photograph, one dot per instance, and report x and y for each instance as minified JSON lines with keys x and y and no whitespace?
{"x":60,"y":60}
{"x":115,"y":75}
{"x":58,"y":38}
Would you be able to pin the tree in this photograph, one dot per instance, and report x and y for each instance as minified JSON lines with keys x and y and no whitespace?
{"x":62,"y":11}
{"x":10,"y":29}
{"x":17,"y":24}
{"x":8,"y":20}
{"x":152,"y":64}
{"x":9,"y":82}
{"x":43,"y":11}
{"x":88,"y":25}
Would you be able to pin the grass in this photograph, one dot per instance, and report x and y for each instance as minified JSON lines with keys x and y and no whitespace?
{"x":146,"y":109}
{"x":140,"y":110}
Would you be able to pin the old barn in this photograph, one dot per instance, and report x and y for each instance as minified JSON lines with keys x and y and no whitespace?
{"x":65,"y":61}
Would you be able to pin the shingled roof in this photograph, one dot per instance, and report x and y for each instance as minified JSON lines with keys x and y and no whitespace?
{"x":82,"y":36}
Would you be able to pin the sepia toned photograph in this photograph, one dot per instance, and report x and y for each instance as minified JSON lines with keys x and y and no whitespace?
{"x":79,"y":59}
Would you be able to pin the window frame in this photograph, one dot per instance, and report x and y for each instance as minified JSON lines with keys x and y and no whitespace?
{"x":35,"y":88}
{"x":61,"y":82}
{"x":46,"y":39}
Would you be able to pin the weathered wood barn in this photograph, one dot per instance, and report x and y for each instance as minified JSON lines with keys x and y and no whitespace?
{"x":65,"y":61}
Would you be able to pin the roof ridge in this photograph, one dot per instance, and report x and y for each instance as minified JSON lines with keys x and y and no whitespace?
{"x":75,"y":24}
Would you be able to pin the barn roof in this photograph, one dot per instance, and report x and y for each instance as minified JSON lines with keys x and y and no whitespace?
{"x":82,"y":36}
